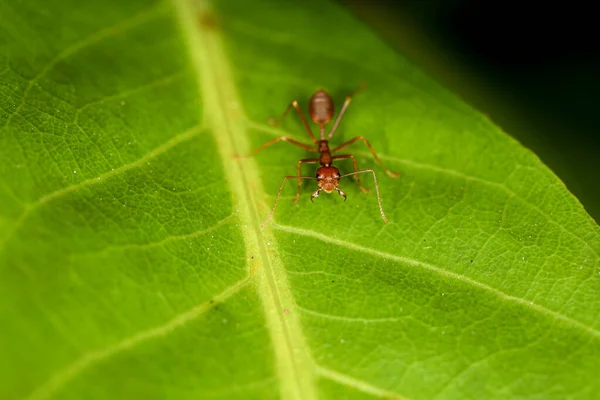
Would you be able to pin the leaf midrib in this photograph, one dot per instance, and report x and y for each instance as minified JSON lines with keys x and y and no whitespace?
{"x":293,"y":362}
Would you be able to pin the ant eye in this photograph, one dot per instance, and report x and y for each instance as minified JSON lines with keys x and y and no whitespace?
{"x":337,"y":176}
{"x":319,"y":176}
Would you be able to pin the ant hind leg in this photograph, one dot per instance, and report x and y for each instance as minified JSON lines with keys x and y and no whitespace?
{"x":299,"y":111}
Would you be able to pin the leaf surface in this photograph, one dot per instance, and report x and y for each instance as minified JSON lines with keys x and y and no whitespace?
{"x":131,"y":260}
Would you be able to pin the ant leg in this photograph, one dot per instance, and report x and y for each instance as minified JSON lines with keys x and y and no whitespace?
{"x":306,"y":161}
{"x":299,"y":110}
{"x":376,"y":189}
{"x":349,"y":142}
{"x":356,"y":177}
{"x":343,"y":110}
{"x":282,"y":138}
{"x":279,"y":193}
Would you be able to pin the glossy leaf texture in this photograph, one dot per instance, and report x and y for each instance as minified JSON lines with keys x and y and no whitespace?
{"x":132,"y":264}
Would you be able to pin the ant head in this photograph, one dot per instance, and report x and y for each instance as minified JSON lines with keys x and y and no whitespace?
{"x":328,"y":178}
{"x":320,"y":107}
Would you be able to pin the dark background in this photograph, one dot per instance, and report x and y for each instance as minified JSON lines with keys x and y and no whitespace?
{"x":534,"y":69}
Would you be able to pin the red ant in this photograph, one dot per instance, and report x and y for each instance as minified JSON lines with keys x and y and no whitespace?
{"x":320,"y":109}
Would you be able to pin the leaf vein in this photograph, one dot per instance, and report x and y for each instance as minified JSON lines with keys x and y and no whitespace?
{"x":358,"y":384}
{"x":182,"y":137}
{"x":165,"y":80}
{"x":377,"y":253}
{"x":82,"y":44}
{"x":161,"y":242}
{"x":350,"y":319}
{"x":88,"y":360}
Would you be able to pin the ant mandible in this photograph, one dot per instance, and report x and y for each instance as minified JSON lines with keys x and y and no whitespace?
{"x":320,"y":109}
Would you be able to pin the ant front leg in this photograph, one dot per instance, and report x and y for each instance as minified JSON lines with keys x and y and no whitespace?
{"x":349,"y":142}
{"x":356,"y":177}
{"x":279,"y":194}
{"x":305,"y":161}
{"x":364,"y":171}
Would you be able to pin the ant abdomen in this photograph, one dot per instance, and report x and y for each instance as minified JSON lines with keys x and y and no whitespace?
{"x":320,"y":107}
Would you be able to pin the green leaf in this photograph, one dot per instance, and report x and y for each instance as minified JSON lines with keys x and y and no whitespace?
{"x":131,"y":260}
